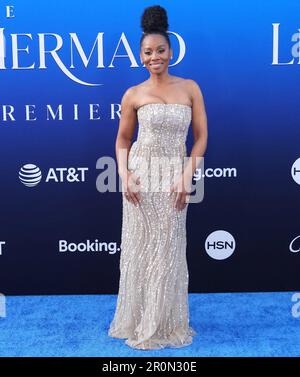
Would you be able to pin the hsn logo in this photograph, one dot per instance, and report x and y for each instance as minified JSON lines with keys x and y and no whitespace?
{"x":220,"y":244}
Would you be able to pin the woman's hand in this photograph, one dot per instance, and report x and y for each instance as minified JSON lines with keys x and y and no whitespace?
{"x":131,"y":187}
{"x":182,"y":189}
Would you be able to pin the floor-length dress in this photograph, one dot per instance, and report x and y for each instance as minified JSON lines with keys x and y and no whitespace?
{"x":152,"y":309}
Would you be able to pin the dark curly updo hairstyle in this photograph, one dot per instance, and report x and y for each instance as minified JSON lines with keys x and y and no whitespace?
{"x":155,"y":21}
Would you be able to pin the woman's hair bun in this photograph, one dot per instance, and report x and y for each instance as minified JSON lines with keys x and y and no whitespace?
{"x":154,"y":18}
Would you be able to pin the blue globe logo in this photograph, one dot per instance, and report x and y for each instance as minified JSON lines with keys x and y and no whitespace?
{"x":30,"y":175}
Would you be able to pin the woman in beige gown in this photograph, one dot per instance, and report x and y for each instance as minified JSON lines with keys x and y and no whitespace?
{"x":152,"y":309}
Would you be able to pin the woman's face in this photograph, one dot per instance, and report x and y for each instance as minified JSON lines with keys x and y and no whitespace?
{"x":155,"y":53}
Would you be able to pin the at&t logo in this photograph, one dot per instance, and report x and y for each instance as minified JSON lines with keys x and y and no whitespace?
{"x":30,"y":175}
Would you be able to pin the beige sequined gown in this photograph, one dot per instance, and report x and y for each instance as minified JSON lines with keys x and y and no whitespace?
{"x":152,"y":309}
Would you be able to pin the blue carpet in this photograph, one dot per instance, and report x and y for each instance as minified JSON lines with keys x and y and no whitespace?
{"x":227,"y":324}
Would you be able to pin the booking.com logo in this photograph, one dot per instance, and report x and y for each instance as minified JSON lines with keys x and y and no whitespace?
{"x":2,"y":305}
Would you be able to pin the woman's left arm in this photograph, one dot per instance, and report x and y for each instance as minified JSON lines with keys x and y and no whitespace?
{"x":199,"y":123}
{"x":200,"y":132}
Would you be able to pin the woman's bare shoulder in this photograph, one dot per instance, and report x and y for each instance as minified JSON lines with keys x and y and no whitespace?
{"x":192,"y":84}
{"x":129,"y":96}
{"x":133,"y":93}
{"x":129,"y":92}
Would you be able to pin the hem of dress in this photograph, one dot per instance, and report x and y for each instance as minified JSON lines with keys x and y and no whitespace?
{"x":157,"y":343}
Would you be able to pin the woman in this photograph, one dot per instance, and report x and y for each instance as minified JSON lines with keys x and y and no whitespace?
{"x":152,"y":308}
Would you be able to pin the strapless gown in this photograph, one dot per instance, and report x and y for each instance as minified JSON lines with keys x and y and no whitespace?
{"x":152,"y":309}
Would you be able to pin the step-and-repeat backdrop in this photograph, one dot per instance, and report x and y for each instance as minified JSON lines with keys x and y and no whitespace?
{"x":64,"y":67}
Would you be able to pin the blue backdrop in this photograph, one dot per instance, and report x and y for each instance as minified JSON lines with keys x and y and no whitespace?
{"x":59,"y":114}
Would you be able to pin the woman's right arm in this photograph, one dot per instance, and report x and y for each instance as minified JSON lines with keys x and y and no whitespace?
{"x":127,"y":126}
